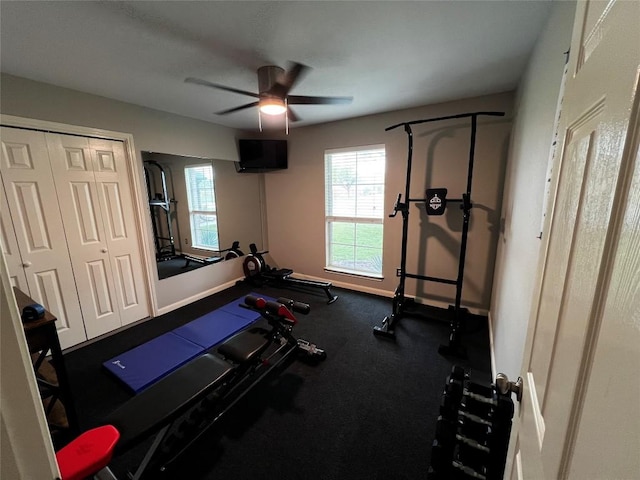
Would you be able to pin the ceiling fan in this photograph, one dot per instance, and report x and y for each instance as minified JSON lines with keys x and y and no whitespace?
{"x":273,"y":96}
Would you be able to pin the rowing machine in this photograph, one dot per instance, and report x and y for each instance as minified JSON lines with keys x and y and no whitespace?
{"x":258,"y":273}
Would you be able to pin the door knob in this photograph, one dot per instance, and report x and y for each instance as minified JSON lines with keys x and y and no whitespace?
{"x":505,"y":386}
{"x":26,"y":264}
{"x":104,"y":250}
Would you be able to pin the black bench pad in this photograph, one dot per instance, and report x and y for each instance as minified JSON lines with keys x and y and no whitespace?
{"x":164,"y":401}
{"x":243,"y":346}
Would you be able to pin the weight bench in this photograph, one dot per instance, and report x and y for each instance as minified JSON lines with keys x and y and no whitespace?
{"x":182,"y":406}
{"x":147,"y":363}
{"x":161,"y":408}
{"x":142,"y":416}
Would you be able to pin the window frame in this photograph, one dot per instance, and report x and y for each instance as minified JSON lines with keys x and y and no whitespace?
{"x":193,"y":212}
{"x":331,"y":220}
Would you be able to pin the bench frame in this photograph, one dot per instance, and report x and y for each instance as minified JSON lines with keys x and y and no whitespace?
{"x":230,"y":379}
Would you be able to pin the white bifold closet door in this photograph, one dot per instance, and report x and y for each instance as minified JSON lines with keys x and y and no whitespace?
{"x":33,"y":218}
{"x":95,"y":198}
{"x":70,"y":202}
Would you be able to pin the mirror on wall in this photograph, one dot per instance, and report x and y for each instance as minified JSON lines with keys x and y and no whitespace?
{"x":202,"y":211}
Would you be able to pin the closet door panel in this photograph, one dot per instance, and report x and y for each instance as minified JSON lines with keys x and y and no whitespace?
{"x":9,"y":244}
{"x":38,"y":228}
{"x":72,"y":166}
{"x":121,"y":229}
{"x":99,"y":287}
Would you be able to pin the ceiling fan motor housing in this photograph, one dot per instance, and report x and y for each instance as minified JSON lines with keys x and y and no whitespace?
{"x":274,"y":84}
{"x":268,"y":76}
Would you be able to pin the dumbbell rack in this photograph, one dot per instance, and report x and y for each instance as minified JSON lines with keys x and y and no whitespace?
{"x":472,"y":430}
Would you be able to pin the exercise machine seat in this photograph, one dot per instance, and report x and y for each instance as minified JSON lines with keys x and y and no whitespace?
{"x":280,"y":272}
{"x":164,"y":401}
{"x":244,"y":346}
{"x":87,"y":454}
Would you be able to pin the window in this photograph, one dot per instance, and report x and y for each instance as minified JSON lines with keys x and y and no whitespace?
{"x":202,"y":207}
{"x":354,"y":203}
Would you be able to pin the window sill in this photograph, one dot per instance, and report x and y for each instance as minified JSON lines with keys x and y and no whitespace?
{"x":352,"y":273}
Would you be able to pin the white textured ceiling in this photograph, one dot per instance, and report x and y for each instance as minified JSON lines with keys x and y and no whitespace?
{"x":388,"y":55}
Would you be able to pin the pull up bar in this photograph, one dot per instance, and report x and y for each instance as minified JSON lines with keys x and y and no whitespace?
{"x":388,"y":324}
{"x":448,"y":117}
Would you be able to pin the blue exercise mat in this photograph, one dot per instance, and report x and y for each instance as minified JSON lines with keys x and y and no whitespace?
{"x":237,"y":309}
{"x":214,"y":327}
{"x":217,"y":326}
{"x":145,"y":364}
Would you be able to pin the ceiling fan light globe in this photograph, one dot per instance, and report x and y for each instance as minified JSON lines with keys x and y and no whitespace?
{"x":273,"y":106}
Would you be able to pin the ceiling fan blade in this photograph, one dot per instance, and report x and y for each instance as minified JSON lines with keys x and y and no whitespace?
{"x":304,"y":100}
{"x":292,"y":115}
{"x":235,"y":109}
{"x":291,"y":77}
{"x":205,"y":83}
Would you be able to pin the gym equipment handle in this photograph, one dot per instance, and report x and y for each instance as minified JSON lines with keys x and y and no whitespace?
{"x":274,"y":307}
{"x":298,"y":307}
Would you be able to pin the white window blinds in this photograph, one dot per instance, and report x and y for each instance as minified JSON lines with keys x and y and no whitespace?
{"x":354,"y":209}
{"x":202,"y":207}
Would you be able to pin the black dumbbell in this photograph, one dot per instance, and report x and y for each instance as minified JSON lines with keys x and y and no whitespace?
{"x":503,"y":410}
{"x":446,"y":431}
{"x":449,"y":407}
{"x":476,"y":458}
{"x":441,"y":458}
{"x":477,"y":407}
{"x":460,"y":471}
{"x":473,"y":427}
{"x":454,"y":388}
{"x":486,"y":391}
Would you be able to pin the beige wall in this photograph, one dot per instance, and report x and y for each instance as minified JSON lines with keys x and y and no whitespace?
{"x":152,"y":130}
{"x":519,"y":246}
{"x":239,"y":202}
{"x":295,"y":197}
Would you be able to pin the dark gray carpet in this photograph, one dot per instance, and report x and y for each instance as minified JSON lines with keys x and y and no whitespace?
{"x":367,"y":412}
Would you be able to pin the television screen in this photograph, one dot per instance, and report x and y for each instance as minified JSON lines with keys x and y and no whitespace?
{"x":262,"y":155}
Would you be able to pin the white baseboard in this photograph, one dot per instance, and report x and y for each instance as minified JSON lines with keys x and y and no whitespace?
{"x":388,"y":294}
{"x":199,"y":296}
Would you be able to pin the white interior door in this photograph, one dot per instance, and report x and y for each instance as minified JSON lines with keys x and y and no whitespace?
{"x":579,"y":415}
{"x":33,"y":204}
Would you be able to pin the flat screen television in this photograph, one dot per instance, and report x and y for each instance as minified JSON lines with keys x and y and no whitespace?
{"x":261,"y":155}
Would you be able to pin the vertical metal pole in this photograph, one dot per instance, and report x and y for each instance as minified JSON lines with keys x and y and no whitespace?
{"x":466,"y":206}
{"x":388,"y":324}
{"x":405,"y":221}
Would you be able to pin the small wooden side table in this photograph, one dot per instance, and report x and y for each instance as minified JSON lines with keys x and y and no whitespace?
{"x":42,"y":338}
